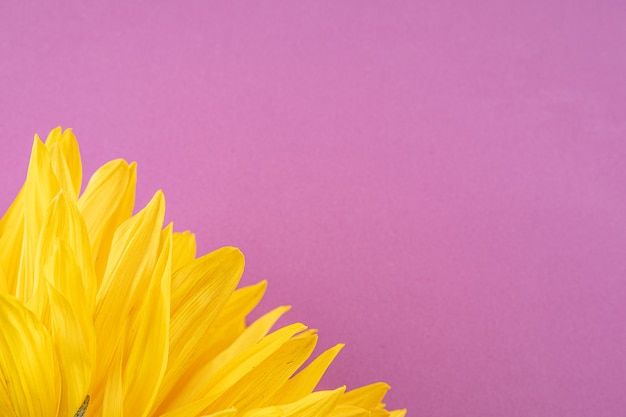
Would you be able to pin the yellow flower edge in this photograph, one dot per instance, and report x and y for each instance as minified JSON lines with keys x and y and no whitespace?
{"x":106,"y":313}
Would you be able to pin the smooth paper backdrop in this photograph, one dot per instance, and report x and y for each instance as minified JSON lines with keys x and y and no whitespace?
{"x":440,"y":185}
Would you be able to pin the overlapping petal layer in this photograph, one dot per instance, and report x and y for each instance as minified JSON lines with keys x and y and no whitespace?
{"x":98,"y":303}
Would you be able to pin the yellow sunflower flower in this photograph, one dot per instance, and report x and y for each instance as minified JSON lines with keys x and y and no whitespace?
{"x":105,"y":313}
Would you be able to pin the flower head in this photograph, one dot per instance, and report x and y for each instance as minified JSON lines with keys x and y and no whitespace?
{"x":106,"y":313}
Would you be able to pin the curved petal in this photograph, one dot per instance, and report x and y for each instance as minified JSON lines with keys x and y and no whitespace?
{"x":209,"y":387}
{"x":39,"y":189}
{"x":64,"y":223}
{"x":183,"y":249}
{"x":318,"y":404}
{"x":30,"y":382}
{"x":72,"y":353}
{"x":199,"y":292}
{"x":368,"y":396}
{"x":230,"y":324}
{"x":127,"y":277}
{"x":253,"y":390}
{"x":149,"y":344}
{"x":198,"y":381}
{"x":107,"y":202}
{"x":11,"y":238}
{"x":305,"y":381}
{"x":65,"y":159}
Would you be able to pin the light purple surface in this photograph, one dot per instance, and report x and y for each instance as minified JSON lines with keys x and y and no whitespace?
{"x":440,"y":185}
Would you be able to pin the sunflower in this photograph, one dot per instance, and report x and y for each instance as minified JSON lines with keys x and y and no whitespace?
{"x":106,"y":313}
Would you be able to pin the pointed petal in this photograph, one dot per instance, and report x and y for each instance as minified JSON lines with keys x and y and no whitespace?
{"x":11,"y":237}
{"x":62,"y":172}
{"x":63,"y":273}
{"x":65,"y":157}
{"x":198,"y":380}
{"x":13,"y":214}
{"x":199,"y":291}
{"x":133,"y":256}
{"x":242,"y":302}
{"x":206,"y":388}
{"x":318,"y":404}
{"x":366,"y":397}
{"x":251,"y":335}
{"x":307,"y":379}
{"x":267,"y":377}
{"x":64,"y":223}
{"x":183,"y":249}
{"x":147,"y":360}
{"x":40,"y":188}
{"x":349,"y":411}
{"x":231,"y":321}
{"x":108,"y":201}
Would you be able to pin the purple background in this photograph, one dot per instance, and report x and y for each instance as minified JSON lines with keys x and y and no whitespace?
{"x":440,"y":185}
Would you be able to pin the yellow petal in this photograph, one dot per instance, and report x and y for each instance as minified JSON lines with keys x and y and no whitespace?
{"x":64,"y":274}
{"x":208,"y":387}
{"x":64,"y":223}
{"x":198,"y":381}
{"x":231,"y":321}
{"x":113,"y":399}
{"x":133,"y":256}
{"x":251,"y":335}
{"x":199,"y":291}
{"x":147,"y":359}
{"x":183,"y":249}
{"x":258,"y":385}
{"x":241,"y":302}
{"x":366,"y":397}
{"x":349,"y":411}
{"x":3,"y":281}
{"x":11,"y":237}
{"x":72,"y":353}
{"x":108,"y":201}
{"x":65,"y":159}
{"x":14,"y":213}
{"x":307,"y":379}
{"x":224,"y":413}
{"x":40,"y":188}
{"x":30,"y":384}
{"x":318,"y":404}
{"x":62,"y":172}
